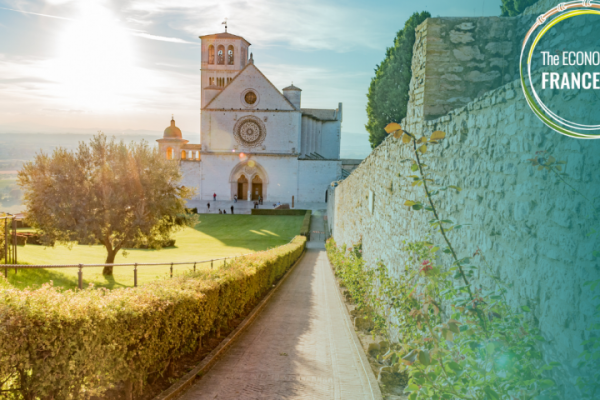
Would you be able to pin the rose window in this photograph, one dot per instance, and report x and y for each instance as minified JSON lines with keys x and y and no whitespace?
{"x":250,"y":97}
{"x":249,"y":131}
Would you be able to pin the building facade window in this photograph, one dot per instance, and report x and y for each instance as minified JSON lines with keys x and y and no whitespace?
{"x":211,"y":54}
{"x":221,"y":55}
{"x":230,"y":55}
{"x":169,"y":153}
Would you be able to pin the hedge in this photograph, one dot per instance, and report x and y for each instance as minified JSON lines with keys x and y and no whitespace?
{"x":305,"y":229}
{"x":77,"y":344}
{"x":278,"y":212}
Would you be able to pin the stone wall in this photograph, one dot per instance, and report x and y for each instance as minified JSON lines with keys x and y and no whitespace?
{"x":456,"y":60}
{"x":532,"y":228}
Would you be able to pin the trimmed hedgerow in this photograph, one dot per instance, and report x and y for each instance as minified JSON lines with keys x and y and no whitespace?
{"x":305,"y":228}
{"x":77,"y":344}
{"x":266,"y":211}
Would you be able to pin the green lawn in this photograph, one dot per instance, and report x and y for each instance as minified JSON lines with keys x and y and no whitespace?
{"x":215,"y":236}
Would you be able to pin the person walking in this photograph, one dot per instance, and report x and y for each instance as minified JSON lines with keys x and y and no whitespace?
{"x":220,"y":212}
{"x":224,"y":211}
{"x":232,"y":209}
{"x":235,"y":198}
{"x":208,"y":206}
{"x":214,"y":197}
{"x":259,"y":199}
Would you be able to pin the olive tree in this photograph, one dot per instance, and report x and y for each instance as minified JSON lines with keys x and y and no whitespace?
{"x":105,"y":192}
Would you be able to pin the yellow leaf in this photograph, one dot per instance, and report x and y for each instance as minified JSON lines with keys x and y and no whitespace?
{"x":551,"y":160}
{"x":437,"y":135}
{"x":405,"y":138}
{"x":398,"y":134}
{"x":559,"y":168}
{"x":392,"y":127}
{"x":423,"y":148}
{"x":409,"y":203}
{"x":422,"y":140}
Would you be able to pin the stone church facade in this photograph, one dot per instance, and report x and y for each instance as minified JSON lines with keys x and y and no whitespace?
{"x":255,"y":140}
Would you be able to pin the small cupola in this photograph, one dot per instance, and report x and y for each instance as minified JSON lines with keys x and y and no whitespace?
{"x":293,"y":94}
{"x":172,"y":132}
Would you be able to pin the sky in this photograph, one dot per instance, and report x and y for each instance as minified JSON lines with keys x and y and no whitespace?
{"x":124,"y":66}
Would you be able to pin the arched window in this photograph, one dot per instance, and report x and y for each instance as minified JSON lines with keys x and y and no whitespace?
{"x":169,"y":153}
{"x":183,"y":155}
{"x":211,"y":54}
{"x":230,"y":55}
{"x":221,"y":55}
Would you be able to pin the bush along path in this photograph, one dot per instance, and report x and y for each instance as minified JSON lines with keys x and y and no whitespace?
{"x":449,"y":339}
{"x":97,"y":343}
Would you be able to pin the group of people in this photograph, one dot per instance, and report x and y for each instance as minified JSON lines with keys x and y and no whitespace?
{"x":220,"y":211}
{"x":235,"y":199}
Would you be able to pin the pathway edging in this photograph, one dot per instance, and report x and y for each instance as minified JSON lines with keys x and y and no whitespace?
{"x":372,"y":380}
{"x":207,"y":363}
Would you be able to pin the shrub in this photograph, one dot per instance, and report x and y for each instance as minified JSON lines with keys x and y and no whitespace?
{"x":305,"y":228}
{"x":259,"y":211}
{"x":512,"y":8}
{"x":78,"y":344}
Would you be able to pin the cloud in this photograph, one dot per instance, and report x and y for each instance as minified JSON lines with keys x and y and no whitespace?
{"x":161,"y":38}
{"x":38,"y":14}
{"x":308,"y":24}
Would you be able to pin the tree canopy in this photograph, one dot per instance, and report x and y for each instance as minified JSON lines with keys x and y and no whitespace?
{"x":105,"y":192}
{"x":388,"y":91}
{"x":512,"y":8}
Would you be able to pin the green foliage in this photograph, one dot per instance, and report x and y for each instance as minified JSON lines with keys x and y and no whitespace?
{"x":448,"y":352}
{"x":512,"y":8}
{"x":2,"y":237}
{"x":78,"y":344}
{"x":105,"y":192}
{"x":305,"y":228}
{"x":259,"y":211}
{"x":388,"y":91}
{"x":456,"y":341}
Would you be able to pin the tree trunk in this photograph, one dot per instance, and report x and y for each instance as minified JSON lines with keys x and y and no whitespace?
{"x":110,"y":259}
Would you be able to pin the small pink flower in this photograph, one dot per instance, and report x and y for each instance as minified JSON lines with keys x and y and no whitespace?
{"x":426,"y":266}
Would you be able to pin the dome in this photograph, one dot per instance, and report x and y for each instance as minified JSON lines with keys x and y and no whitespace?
{"x":172,"y":132}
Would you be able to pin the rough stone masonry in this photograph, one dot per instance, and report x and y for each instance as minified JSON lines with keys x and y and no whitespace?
{"x":531,"y":228}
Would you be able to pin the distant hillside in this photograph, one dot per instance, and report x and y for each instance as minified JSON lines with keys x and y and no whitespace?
{"x":23,"y":146}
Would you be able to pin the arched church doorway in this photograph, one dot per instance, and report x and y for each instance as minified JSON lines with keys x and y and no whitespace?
{"x":242,"y":188}
{"x":257,"y":189}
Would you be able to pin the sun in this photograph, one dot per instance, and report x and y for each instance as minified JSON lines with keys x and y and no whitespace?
{"x":95,"y":67}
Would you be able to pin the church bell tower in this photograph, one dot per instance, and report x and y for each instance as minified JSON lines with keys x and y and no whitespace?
{"x":223,"y":56}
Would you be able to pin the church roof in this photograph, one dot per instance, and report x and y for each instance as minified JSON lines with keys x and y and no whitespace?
{"x":238,"y":75}
{"x":292,"y":87}
{"x":172,"y":132}
{"x":223,"y":35}
{"x":321,"y":114}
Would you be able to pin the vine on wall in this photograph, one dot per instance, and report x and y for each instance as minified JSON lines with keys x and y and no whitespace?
{"x":455,"y":341}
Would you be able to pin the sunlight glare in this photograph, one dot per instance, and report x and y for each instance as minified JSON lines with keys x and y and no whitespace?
{"x":95,"y":66}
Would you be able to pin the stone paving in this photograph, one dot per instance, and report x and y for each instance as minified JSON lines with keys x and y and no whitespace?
{"x":302,"y":345}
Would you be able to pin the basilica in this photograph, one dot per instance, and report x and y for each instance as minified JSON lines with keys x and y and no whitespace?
{"x":255,"y":140}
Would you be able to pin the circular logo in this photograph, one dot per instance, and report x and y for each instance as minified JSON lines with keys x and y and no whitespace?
{"x":249,"y":131}
{"x":560,"y":69}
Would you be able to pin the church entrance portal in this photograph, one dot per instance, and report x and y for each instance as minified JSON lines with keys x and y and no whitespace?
{"x":257,"y":188}
{"x":242,"y":188}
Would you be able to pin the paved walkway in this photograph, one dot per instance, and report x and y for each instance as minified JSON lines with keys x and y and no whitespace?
{"x":301,"y":346}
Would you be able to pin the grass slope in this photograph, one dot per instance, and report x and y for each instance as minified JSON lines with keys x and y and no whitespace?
{"x":215,"y":236}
